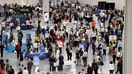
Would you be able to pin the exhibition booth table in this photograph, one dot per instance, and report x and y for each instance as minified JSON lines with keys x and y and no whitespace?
{"x":42,"y":55}
{"x":67,"y":64}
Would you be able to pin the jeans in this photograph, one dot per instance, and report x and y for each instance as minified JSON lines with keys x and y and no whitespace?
{"x":18,"y":54}
{"x":60,"y":48}
{"x":29,"y":71}
{"x":111,"y":71}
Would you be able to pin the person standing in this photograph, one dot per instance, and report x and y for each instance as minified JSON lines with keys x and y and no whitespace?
{"x":11,"y":25}
{"x":25,"y":71}
{"x":7,"y":65}
{"x":1,"y":48}
{"x":29,"y":66}
{"x":93,"y":25}
{"x":21,"y":58}
{"x":69,"y":52}
{"x":18,"y":49}
{"x":95,"y":67}
{"x":89,"y":70}
{"x":119,"y":66}
{"x":60,"y":46}
{"x":11,"y":70}
{"x":20,"y":71}
{"x":114,"y":53}
{"x":111,"y":67}
{"x":61,"y":62}
{"x":78,"y":58}
{"x":84,"y":58}
{"x":51,"y":62}
{"x":20,"y":36}
{"x":100,"y":64}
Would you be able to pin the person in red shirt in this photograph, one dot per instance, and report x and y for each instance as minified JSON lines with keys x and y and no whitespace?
{"x":1,"y":69}
{"x":114,"y":22}
{"x":29,"y":66}
{"x":93,"y":25}
{"x":58,"y":25}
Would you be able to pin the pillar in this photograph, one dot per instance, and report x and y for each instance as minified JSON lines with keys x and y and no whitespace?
{"x":127,"y":61}
{"x":46,"y":10}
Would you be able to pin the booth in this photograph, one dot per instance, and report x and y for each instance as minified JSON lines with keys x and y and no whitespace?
{"x":22,"y":19}
{"x":11,"y":48}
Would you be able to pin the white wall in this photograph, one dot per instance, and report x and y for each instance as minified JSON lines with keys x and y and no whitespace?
{"x":1,"y":2}
{"x":29,"y":2}
{"x":119,"y":4}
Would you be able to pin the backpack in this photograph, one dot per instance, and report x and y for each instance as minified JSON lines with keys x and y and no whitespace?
{"x":18,"y":47}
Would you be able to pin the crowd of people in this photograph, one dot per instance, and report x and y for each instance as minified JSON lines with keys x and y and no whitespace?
{"x":92,"y":28}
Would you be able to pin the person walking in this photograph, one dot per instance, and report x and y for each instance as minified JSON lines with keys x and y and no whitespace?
{"x":84,"y":58}
{"x":111,"y":67}
{"x":51,"y":62}
{"x":60,"y":46}
{"x":7,"y":65}
{"x":114,"y":53}
{"x":25,"y":71}
{"x":29,"y":66}
{"x":78,"y":58}
{"x":18,"y":49}
{"x":119,"y":66}
{"x":1,"y":48}
{"x":100,"y":64}
{"x":20,"y":71}
{"x":11,"y":70}
{"x":69,"y":52}
{"x":61,"y":62}
{"x":95,"y":67}
{"x":89,"y":69}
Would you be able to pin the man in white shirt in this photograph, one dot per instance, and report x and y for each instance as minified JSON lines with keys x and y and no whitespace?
{"x":25,"y":71}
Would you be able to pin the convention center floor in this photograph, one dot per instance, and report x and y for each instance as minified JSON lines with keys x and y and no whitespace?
{"x":44,"y":64}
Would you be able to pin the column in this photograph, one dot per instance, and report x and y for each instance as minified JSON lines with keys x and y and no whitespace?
{"x":46,"y":10}
{"x":127,"y":61}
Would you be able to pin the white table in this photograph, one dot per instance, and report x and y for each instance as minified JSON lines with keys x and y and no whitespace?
{"x":66,"y":64}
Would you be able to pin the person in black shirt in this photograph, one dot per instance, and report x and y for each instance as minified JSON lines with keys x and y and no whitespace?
{"x":78,"y":60}
{"x":20,"y":72}
{"x":11,"y":70}
{"x":51,"y":62}
{"x":89,"y":70}
{"x":95,"y":67}
{"x":1,"y":49}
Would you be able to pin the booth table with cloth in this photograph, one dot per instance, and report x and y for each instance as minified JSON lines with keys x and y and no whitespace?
{"x":67,"y":64}
{"x":41,"y":55}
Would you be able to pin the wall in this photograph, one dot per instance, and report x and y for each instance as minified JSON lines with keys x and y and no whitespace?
{"x":119,"y":4}
{"x":29,"y":2}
